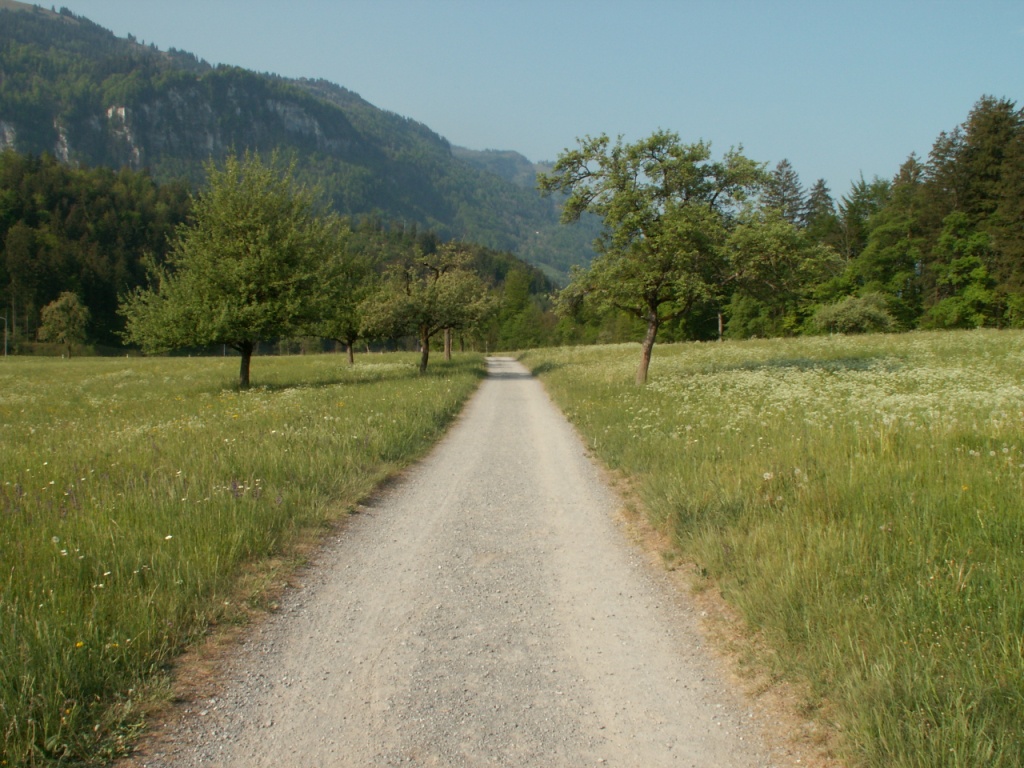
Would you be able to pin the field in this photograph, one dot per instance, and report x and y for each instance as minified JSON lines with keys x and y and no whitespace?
{"x":140,"y":499}
{"x":859,"y":500}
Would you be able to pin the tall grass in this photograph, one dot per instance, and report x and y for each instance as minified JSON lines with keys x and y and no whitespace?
{"x":860,"y":500}
{"x":134,"y":492}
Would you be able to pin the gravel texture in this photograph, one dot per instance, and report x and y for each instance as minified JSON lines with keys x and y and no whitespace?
{"x":487,"y":609}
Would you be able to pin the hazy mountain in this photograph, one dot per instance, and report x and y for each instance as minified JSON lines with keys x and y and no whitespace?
{"x":507,"y":164}
{"x":70,"y":88}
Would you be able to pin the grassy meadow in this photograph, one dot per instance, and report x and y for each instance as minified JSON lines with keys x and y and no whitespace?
{"x":135,"y":493}
{"x":859,"y":500}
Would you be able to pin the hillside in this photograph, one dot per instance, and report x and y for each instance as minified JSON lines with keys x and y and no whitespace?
{"x":73,"y":89}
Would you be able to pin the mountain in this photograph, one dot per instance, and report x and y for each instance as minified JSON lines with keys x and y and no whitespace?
{"x":73,"y":89}
{"x":507,"y":164}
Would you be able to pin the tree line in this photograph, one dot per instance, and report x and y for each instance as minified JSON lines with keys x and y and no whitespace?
{"x":81,"y":231}
{"x":699,"y":248}
{"x":692,"y":247}
{"x":77,"y":242}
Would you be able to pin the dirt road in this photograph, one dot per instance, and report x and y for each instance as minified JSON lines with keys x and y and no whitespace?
{"x":486,"y":610}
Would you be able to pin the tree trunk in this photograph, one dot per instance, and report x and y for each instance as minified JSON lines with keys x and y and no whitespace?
{"x":424,"y":351}
{"x":351,"y":353}
{"x":243,"y":370}
{"x":646,"y":347}
{"x":721,"y":326}
{"x":447,"y":344}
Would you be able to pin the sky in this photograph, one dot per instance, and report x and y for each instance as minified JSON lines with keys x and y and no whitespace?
{"x":840,"y":89}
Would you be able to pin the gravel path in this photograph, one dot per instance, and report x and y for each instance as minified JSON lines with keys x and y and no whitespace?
{"x":486,"y":610}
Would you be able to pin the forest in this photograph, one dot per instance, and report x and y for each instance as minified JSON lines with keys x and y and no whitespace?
{"x":107,"y":139}
{"x":90,"y":231}
{"x":937,"y":246}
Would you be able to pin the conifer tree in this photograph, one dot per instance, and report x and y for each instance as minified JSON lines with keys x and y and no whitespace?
{"x":785,"y":193}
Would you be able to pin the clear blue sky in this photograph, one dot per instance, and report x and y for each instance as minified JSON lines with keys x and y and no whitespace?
{"x":838,"y":88}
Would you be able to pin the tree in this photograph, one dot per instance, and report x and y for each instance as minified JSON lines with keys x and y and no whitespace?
{"x":429,"y":293}
{"x":820,"y":212}
{"x":964,"y":295}
{"x":249,"y":267}
{"x":666,"y":208}
{"x":864,"y":200}
{"x":520,"y":320}
{"x":1007,"y":229}
{"x":772,"y":261}
{"x":785,"y":193}
{"x":64,"y":321}
{"x":855,"y":314}
{"x":894,"y":256}
{"x":349,"y":282}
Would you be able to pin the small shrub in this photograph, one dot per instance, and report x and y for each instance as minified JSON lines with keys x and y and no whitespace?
{"x":856,"y":314}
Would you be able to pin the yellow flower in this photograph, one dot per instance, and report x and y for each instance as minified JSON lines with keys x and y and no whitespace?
{"x":79,"y":644}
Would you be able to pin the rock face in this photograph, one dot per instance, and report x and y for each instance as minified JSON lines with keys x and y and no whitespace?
{"x":186,"y":123}
{"x":74,"y":90}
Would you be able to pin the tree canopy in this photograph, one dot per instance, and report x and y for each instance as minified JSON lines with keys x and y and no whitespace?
{"x":249,"y":267}
{"x":667,"y":208}
{"x":64,"y":321}
{"x":428,"y":293}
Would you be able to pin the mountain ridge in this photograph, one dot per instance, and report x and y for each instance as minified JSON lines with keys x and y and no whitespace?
{"x":73,"y":89}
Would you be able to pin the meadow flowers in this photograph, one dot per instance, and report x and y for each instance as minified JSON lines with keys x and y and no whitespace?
{"x":134,"y":508}
{"x":884,"y":568}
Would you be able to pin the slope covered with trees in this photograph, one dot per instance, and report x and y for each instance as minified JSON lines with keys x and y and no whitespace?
{"x":72,"y":89}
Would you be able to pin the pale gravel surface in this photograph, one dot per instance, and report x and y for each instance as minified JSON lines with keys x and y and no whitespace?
{"x":486,"y":610}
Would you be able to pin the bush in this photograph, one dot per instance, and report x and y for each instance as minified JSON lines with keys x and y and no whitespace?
{"x":855,"y":314}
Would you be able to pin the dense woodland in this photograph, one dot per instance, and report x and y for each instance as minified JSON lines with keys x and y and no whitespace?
{"x":90,"y":232}
{"x":940,"y":245}
{"x":85,"y":200}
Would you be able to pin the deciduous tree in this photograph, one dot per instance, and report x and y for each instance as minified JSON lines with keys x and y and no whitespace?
{"x":249,"y":267}
{"x":64,"y":321}
{"x":427,"y":294}
{"x":666,"y":208}
{"x":349,"y":280}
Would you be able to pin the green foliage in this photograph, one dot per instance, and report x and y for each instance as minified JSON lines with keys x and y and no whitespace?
{"x":773,"y":261}
{"x":961,"y":276}
{"x":78,"y":230}
{"x":855,"y":314}
{"x":251,"y":267}
{"x":73,"y":88}
{"x":427,"y":294}
{"x":351,"y":269}
{"x":64,"y":321}
{"x":666,"y":210}
{"x":785,"y":194}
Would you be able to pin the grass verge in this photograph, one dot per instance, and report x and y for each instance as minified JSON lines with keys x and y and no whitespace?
{"x":859,"y":500}
{"x":135,"y":493}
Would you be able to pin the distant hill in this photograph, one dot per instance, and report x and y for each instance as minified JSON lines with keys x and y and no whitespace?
{"x":73,"y":89}
{"x":507,"y":164}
